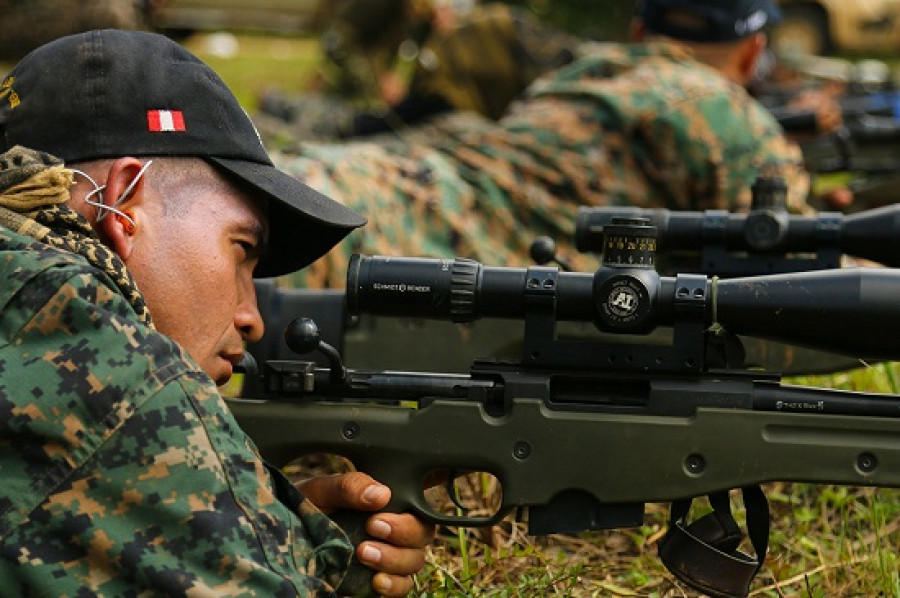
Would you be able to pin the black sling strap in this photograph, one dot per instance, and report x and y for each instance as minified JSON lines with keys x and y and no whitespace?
{"x":704,"y":554}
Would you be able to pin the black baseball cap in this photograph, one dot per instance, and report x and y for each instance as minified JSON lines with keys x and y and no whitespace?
{"x":711,"y":20}
{"x":112,"y":93}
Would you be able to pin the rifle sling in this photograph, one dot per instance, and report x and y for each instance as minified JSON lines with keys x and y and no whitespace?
{"x":704,"y":554}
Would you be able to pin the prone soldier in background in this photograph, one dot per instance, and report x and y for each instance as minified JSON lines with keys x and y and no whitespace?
{"x":666,"y":122}
{"x":360,"y":42}
{"x":412,"y":59}
{"x":363,"y":45}
{"x":477,"y":58}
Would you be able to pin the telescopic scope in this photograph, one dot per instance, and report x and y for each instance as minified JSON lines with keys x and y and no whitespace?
{"x":872,"y":234}
{"x":851,"y":311}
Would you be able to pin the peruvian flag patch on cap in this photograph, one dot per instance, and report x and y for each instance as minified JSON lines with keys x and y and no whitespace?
{"x":165,"y":120}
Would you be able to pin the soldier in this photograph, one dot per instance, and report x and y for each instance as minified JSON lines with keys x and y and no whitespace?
{"x":467,"y":57}
{"x":360,"y":42}
{"x":127,"y":296}
{"x":477,"y":59}
{"x":662,"y":123}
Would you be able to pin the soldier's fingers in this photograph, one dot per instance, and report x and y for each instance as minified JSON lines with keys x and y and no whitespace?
{"x":385,"y":558}
{"x":355,"y":490}
{"x":392,"y":585}
{"x":402,"y":530}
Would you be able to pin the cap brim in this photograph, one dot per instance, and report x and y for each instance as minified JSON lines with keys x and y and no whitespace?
{"x":303,"y":223}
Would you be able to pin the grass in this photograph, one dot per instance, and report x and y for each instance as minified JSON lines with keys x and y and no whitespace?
{"x":825,"y":541}
{"x":250,"y":65}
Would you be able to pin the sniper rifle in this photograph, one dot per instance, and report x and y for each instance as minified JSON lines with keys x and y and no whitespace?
{"x":657,"y":423}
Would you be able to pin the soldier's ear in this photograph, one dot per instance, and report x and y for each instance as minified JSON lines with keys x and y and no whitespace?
{"x":124,"y":196}
{"x":752,"y":49}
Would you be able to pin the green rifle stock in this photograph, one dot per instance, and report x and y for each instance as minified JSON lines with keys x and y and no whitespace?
{"x":582,"y":432}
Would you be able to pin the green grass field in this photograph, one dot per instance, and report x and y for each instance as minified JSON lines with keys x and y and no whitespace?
{"x":260,"y":63}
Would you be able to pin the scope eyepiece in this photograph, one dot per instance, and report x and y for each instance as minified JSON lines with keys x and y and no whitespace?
{"x":425,"y":287}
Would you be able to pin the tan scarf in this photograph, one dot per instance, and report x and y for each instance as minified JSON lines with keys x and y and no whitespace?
{"x":34,"y":191}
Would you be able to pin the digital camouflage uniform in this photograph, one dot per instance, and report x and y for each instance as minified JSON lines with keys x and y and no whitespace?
{"x":124,"y":473}
{"x":643,"y":125}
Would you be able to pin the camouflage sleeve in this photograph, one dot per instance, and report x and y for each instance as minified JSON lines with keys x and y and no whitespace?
{"x":754,"y":145}
{"x":124,"y":472}
{"x":707,"y":154}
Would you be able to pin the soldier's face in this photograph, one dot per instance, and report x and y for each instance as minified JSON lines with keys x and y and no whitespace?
{"x":195,"y":269}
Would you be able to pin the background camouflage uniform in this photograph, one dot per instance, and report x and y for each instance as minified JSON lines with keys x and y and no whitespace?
{"x":643,"y":125}
{"x":124,"y":473}
{"x":360,"y":40}
{"x":483,"y":62}
{"x":489,"y":59}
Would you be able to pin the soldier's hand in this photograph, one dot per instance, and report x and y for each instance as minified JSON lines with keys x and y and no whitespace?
{"x":840,"y":198}
{"x":829,"y":116}
{"x":399,"y":551}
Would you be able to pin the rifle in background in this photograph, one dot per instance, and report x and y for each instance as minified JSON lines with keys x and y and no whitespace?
{"x":865,"y":149}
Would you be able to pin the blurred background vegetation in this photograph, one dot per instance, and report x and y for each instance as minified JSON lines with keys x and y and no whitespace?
{"x":26,"y":25}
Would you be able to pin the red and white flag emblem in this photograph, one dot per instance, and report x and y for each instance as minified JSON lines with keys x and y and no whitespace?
{"x":165,"y":120}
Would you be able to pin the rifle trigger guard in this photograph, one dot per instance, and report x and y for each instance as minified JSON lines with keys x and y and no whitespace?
{"x":704,"y":553}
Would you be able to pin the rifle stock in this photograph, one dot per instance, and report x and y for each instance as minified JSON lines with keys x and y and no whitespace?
{"x":611,"y":464}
